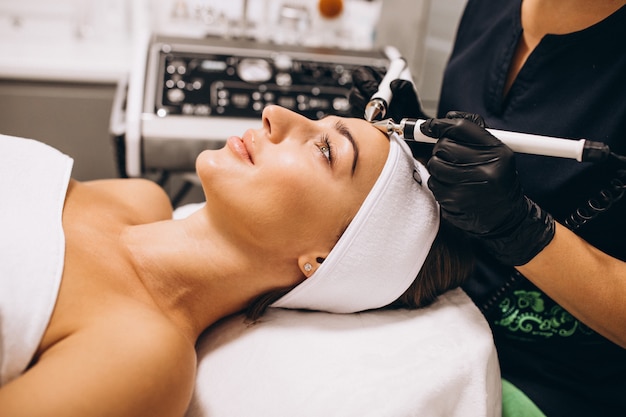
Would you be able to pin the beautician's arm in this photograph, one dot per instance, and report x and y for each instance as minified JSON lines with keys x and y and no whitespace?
{"x":474,"y":178}
{"x":585,"y":281}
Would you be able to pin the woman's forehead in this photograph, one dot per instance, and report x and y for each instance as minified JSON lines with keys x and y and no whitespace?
{"x":363,"y":132}
{"x":374,"y":148}
{"x":373,"y":144}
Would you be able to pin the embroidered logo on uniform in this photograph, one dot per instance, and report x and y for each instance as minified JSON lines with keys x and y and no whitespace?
{"x":529,"y":314}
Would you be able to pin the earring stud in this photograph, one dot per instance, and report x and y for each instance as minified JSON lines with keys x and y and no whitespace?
{"x":308,"y":267}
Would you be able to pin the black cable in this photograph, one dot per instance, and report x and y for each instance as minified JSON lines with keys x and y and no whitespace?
{"x":604,"y":200}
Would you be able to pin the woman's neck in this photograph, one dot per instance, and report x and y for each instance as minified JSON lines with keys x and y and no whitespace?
{"x":195,"y":275}
{"x":542,"y":17}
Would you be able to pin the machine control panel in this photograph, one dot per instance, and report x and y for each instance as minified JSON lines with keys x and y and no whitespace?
{"x":226,"y":78}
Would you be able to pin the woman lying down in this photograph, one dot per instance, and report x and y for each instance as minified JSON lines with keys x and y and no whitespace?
{"x":103,"y":296}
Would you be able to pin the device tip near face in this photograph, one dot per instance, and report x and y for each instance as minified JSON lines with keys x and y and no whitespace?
{"x":375,"y":110}
{"x":386,"y":126}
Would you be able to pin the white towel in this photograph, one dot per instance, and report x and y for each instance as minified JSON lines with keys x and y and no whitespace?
{"x":33,"y":182}
{"x":438,"y":361}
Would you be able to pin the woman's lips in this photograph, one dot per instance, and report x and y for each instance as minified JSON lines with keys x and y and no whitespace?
{"x":238,"y":146}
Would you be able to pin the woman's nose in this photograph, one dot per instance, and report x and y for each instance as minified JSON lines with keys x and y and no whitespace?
{"x":278,"y":122}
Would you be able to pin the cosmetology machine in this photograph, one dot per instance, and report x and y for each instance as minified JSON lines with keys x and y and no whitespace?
{"x":191,"y":94}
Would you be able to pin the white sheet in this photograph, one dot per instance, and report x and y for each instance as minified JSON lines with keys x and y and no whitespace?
{"x":33,"y":182}
{"x":438,"y":361}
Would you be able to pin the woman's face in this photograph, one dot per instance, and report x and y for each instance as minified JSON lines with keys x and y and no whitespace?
{"x":294,"y":184}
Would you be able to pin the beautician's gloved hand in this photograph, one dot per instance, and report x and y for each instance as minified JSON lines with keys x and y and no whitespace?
{"x":474,"y":178}
{"x":405,"y":102}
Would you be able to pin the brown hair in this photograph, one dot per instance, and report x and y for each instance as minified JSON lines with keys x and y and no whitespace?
{"x":448,"y":264}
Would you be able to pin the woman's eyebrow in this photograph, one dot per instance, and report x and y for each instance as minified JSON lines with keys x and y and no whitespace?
{"x":343,"y":130}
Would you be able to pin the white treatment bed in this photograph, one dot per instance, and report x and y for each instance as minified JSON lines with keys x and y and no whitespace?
{"x":437,"y":361}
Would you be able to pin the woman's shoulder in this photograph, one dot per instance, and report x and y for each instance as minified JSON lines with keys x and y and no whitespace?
{"x":141,"y":199}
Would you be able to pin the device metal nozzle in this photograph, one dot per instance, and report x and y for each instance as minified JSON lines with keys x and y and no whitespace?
{"x":387,"y":126}
{"x":375,"y":109}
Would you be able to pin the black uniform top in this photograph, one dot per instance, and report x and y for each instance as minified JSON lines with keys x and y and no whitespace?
{"x":571,"y":86}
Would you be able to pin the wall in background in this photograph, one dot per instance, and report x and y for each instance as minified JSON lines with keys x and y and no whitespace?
{"x":443,"y":19}
{"x":59,"y":67}
{"x":72,"y":117}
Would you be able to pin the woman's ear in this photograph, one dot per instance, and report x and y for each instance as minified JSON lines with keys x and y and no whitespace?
{"x":311,"y":262}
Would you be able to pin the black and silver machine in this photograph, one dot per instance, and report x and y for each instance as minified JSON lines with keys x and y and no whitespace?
{"x":191,"y":94}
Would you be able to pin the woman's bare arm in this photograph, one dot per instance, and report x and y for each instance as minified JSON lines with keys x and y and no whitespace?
{"x":117,"y":371}
{"x":585,"y":281}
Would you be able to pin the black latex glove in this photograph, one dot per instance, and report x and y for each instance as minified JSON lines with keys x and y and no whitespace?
{"x":474,"y":178}
{"x":405,"y":102}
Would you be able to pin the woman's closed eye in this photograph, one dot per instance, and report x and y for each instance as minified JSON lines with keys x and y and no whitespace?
{"x":326,"y":149}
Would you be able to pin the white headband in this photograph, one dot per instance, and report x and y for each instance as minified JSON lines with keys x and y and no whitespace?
{"x":382,"y":249}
